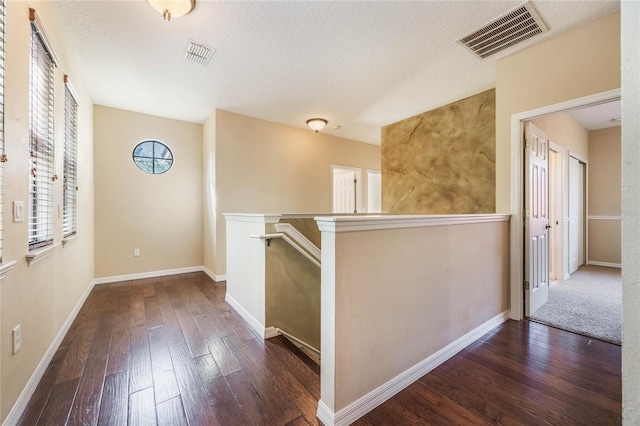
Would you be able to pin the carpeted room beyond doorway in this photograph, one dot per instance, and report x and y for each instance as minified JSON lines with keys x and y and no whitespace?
{"x":588,"y":303}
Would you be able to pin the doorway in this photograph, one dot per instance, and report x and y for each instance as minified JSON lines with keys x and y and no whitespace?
{"x":517,"y":205}
{"x":579,"y":298}
{"x":556,"y":216}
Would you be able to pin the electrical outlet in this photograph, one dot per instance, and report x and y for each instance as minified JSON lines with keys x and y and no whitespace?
{"x":17,"y":338}
{"x":136,"y":252}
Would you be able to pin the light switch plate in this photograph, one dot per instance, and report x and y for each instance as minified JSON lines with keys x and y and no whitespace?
{"x":18,"y":211}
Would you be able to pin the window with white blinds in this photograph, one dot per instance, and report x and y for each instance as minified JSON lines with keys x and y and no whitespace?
{"x":70,"y":172}
{"x":41,"y":137}
{"x":3,"y":157}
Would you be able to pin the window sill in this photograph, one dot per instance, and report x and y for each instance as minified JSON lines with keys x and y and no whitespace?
{"x":6,"y":268}
{"x":67,"y":240}
{"x":37,"y":255}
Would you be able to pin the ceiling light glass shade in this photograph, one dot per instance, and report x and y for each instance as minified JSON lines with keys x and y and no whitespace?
{"x":173,"y":8}
{"x":316,"y":124}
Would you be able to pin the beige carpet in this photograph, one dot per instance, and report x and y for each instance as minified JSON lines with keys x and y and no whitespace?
{"x":588,"y":303}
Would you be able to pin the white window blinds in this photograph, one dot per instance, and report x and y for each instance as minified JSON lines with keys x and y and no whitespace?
{"x":3,"y":157}
{"x":41,"y":139}
{"x":70,"y":171}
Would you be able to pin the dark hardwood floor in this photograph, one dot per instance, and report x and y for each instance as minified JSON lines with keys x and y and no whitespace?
{"x":170,"y":351}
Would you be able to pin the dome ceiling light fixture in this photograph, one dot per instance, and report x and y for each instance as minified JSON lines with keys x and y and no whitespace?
{"x":316,"y":124}
{"x":173,"y":8}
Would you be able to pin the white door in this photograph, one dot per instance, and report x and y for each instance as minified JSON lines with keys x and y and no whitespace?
{"x":536,"y":197}
{"x":346,"y":195}
{"x":344,"y":192}
{"x":576,"y":214}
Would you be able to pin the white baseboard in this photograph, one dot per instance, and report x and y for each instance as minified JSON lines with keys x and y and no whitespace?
{"x":608,"y":264}
{"x":30,"y":387}
{"x":255,"y":325}
{"x":216,"y":278}
{"x":368,"y":402}
{"x":155,"y":274}
{"x":293,"y":338}
{"x":270,"y":332}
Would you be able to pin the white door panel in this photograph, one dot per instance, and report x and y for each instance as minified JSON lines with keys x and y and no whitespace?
{"x":536,"y":203}
{"x":346,"y":196}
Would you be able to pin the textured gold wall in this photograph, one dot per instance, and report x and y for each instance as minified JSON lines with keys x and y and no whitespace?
{"x":442,"y":161}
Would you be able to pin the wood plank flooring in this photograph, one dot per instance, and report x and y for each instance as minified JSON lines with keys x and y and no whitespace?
{"x":170,"y":351}
{"x":521,"y":373}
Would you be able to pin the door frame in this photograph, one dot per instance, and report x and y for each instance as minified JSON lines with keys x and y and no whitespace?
{"x":585,"y":206}
{"x":561,"y":183}
{"x":369,"y":187}
{"x":516,"y":310}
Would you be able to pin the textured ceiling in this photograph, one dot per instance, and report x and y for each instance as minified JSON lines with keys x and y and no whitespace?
{"x":361,"y":65}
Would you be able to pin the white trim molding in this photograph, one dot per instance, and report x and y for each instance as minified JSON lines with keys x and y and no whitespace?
{"x":152,"y":274}
{"x":338,"y":224}
{"x":291,"y":242}
{"x":30,"y":387}
{"x":216,"y":278}
{"x":70,"y":238}
{"x":298,"y":237}
{"x":256,"y":326}
{"x":6,"y":267}
{"x":270,"y":332}
{"x":594,"y":217}
{"x":368,"y":402}
{"x":274,"y":331}
{"x":607,"y":264}
{"x":36,"y":256}
{"x":254,"y":218}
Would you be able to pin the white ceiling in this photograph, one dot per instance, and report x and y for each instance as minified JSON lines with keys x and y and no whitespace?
{"x":598,"y":116}
{"x":359,"y":64}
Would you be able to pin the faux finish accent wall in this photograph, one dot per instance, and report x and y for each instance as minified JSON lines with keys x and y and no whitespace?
{"x":442,"y":161}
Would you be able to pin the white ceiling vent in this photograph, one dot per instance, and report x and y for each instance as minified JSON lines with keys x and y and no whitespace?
{"x":516,"y":26}
{"x":198,"y":53}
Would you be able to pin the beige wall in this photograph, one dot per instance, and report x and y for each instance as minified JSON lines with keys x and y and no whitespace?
{"x":264,"y":167}
{"x":605,"y":171}
{"x":605,"y":177}
{"x":578,"y":63}
{"x":159,"y":214}
{"x":562,"y":129}
{"x":630,"y":212}
{"x":40,"y":297}
{"x":442,"y":161}
{"x":391,"y":298}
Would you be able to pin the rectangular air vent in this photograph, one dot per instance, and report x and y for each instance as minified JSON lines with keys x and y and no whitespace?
{"x":198,"y":53}
{"x":516,"y":26}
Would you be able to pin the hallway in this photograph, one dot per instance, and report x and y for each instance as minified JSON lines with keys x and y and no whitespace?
{"x":170,"y":351}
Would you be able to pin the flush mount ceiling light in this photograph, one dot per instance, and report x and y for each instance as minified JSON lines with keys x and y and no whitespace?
{"x":316,"y":124}
{"x":173,"y":8}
